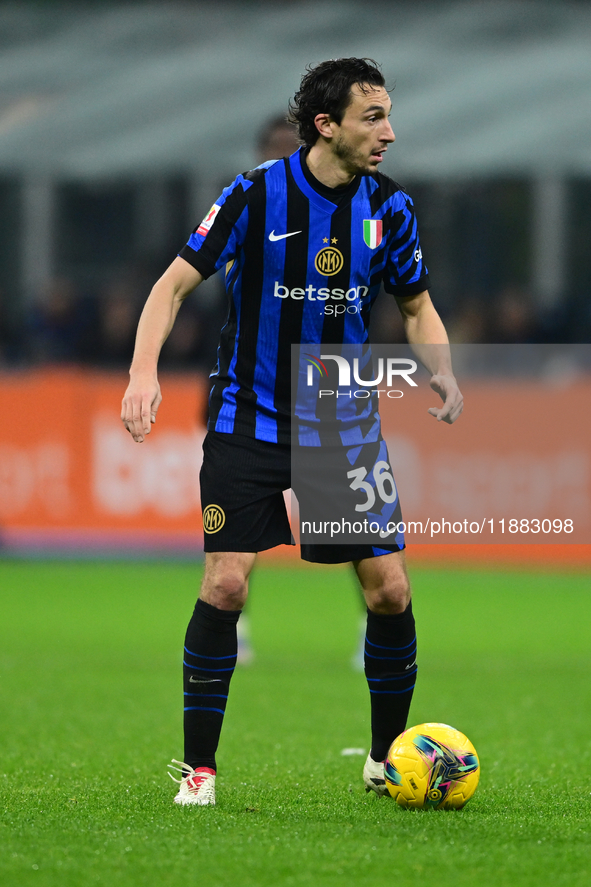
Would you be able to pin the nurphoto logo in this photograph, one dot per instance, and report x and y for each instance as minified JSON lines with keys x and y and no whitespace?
{"x":399,"y":367}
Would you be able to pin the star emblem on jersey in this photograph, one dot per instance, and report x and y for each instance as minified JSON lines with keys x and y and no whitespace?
{"x":214,"y":519}
{"x":372,"y":232}
{"x":273,"y":237}
{"x":329,"y":261}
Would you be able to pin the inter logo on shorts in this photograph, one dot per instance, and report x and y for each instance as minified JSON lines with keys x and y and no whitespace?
{"x":329,"y":261}
{"x":372,"y":232}
{"x":214,"y":519}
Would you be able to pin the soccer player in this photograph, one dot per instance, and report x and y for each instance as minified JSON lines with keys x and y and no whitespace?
{"x":271,"y":229}
{"x":277,"y":137}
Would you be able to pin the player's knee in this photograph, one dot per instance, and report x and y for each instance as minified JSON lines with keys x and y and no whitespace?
{"x":389,"y":598}
{"x":225,"y":590}
{"x":385,"y":583}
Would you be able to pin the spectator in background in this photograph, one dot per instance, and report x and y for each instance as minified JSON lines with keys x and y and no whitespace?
{"x":111,"y":340}
{"x":569,"y":320}
{"x":186,"y":343}
{"x":469,"y":324}
{"x":118,"y":313}
{"x":58,"y":324}
{"x":277,"y":138}
{"x":514,"y":320}
{"x":10,"y":340}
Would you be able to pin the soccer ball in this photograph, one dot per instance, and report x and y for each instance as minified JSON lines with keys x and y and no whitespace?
{"x":432,"y":765}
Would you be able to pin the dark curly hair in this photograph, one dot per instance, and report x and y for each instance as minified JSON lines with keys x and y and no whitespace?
{"x":326,"y":89}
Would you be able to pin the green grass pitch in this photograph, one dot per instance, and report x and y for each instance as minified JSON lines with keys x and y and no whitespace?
{"x":90,"y":700}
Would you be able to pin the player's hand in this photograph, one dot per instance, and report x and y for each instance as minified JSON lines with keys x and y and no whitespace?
{"x":140,"y":405}
{"x":453,"y":402}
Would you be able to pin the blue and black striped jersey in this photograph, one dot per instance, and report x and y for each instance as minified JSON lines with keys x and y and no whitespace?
{"x":300,"y":269}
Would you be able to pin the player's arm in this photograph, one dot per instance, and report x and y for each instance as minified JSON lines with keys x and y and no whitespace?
{"x":142,"y":398}
{"x":427,"y":335}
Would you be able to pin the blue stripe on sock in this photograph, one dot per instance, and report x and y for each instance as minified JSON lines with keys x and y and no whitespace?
{"x":406,"y":655}
{"x":200,"y":656}
{"x":200,"y":668}
{"x":380,"y":647}
{"x":399,"y":677}
{"x":199,"y":708}
{"x":219,"y":695}
{"x":380,"y":692}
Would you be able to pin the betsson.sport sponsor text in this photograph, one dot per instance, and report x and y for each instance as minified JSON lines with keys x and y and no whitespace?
{"x":321,"y":294}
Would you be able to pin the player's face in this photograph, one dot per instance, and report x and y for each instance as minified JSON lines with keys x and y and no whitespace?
{"x":364,"y":133}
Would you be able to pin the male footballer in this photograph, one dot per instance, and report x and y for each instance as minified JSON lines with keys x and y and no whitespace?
{"x":271,"y":229}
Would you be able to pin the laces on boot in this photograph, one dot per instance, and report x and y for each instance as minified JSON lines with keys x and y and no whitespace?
{"x":184,"y":768}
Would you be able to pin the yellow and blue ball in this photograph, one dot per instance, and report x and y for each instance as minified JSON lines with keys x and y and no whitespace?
{"x":432,"y":765}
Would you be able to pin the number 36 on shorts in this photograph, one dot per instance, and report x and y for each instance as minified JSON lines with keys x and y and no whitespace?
{"x":383,"y":485}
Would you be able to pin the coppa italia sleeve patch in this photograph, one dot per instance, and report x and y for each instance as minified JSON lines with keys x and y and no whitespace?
{"x":208,"y":220}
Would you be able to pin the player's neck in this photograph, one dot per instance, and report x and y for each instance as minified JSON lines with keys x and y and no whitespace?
{"x":327,"y":168}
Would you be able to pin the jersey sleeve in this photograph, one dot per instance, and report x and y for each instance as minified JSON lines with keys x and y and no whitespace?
{"x":405,"y":273}
{"x":219,"y":237}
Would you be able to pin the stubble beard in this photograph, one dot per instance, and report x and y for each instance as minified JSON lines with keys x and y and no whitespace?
{"x":352,"y":158}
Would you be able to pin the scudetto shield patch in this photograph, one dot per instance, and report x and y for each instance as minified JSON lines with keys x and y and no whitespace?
{"x":372,"y":232}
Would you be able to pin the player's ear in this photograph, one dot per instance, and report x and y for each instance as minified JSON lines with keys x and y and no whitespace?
{"x":324,"y":124}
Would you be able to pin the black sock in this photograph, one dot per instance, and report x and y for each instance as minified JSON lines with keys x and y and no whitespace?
{"x":390,"y":669}
{"x":208,"y":666}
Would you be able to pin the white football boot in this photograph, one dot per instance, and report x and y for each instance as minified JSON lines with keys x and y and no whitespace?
{"x":197,"y":787}
{"x":373,"y":777}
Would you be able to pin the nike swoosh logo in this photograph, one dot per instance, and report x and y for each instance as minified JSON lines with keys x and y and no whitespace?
{"x":385,"y":533}
{"x":195,"y":680}
{"x":273,"y":236}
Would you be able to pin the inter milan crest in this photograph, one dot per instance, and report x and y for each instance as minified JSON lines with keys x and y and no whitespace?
{"x":372,"y":232}
{"x":329,"y":261}
{"x":214,"y":519}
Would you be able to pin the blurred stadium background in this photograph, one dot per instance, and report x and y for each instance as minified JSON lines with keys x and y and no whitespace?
{"x":120,"y":123}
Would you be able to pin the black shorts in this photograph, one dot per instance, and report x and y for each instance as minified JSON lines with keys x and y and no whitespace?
{"x":242,"y":484}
